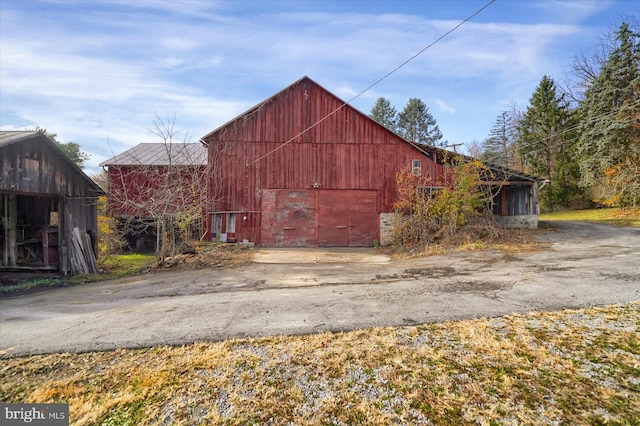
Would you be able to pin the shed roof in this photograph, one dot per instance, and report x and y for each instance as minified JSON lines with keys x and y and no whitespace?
{"x":10,"y":137}
{"x":14,"y":136}
{"x":161,"y":154}
{"x":501,"y":171}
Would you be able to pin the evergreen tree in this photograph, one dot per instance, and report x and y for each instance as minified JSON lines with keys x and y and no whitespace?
{"x":385,"y":114}
{"x":499,"y":147}
{"x":609,"y":145}
{"x":416,"y":124}
{"x":71,"y":149}
{"x":546,"y":145}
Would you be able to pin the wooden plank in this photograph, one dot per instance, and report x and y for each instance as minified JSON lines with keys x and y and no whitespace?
{"x":91,"y":258}
{"x":78,"y":254}
{"x":87,"y":250}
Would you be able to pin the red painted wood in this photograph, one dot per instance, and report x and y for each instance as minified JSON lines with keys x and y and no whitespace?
{"x":319,"y":218}
{"x":131,"y":187}
{"x":295,"y":219}
{"x":262,"y":150}
{"x":504,"y":201}
{"x":363,"y":219}
{"x":333,"y":218}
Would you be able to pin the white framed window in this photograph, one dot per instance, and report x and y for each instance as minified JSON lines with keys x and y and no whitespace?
{"x":416,"y":167}
{"x":231,"y":223}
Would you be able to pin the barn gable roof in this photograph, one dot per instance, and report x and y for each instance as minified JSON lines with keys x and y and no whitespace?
{"x":161,"y":154}
{"x":433,"y":152}
{"x":8,"y":138}
{"x":282,"y":92}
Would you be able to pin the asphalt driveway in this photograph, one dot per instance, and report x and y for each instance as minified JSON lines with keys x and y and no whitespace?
{"x":308,"y":291}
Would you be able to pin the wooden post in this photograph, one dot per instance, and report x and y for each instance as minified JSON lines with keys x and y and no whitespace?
{"x":12,"y":216}
{"x":5,"y":230}
{"x":45,"y":246}
{"x":505,"y":202}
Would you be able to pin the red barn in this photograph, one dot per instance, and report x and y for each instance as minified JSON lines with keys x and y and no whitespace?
{"x":304,"y":169}
{"x":155,"y":180}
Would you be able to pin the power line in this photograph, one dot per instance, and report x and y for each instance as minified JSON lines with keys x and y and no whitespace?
{"x":376,"y":82}
{"x":576,"y":126}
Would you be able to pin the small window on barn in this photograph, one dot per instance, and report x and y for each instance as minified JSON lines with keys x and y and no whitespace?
{"x":216,"y":226}
{"x":416,"y":167}
{"x":231,"y":222}
{"x":428,"y":192}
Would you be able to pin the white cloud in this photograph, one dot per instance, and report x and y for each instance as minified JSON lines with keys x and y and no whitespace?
{"x":444,"y":106}
{"x":92,"y":71}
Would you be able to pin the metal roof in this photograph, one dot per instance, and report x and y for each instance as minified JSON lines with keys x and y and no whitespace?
{"x":9,"y":137}
{"x":161,"y":154}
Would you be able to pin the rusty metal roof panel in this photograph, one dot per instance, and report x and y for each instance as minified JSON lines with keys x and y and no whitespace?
{"x":161,"y":154}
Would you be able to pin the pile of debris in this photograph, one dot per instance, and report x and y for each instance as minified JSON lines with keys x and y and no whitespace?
{"x":210,"y":255}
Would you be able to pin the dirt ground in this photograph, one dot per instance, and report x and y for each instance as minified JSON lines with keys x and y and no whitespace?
{"x":310,"y":291}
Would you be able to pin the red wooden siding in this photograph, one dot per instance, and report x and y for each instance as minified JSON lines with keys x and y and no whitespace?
{"x":130,"y":188}
{"x":262,"y":150}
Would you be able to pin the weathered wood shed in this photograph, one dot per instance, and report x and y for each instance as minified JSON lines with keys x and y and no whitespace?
{"x":304,"y":169}
{"x":47,"y":206}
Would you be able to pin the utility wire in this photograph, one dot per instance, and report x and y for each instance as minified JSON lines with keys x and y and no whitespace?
{"x":376,"y":82}
{"x":576,"y":126}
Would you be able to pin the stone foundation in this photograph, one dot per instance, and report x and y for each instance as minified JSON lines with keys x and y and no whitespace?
{"x":525,"y":221}
{"x":386,"y":228}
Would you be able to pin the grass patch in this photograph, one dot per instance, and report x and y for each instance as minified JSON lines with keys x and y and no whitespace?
{"x":612,"y":216}
{"x":120,"y":265}
{"x":116,"y":266}
{"x":570,"y":367}
{"x":30,"y":284}
{"x":208,"y":255}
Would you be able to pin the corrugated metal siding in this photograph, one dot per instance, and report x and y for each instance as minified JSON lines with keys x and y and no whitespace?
{"x":345,"y":151}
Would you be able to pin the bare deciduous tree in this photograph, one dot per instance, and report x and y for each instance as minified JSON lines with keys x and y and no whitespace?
{"x":161,"y":187}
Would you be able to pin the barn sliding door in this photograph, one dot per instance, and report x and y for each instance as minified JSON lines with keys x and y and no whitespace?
{"x":319,"y":218}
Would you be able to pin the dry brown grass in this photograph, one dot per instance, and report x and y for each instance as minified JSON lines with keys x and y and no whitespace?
{"x":506,"y":241}
{"x":570,"y":367}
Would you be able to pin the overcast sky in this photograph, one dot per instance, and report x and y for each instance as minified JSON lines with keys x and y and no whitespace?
{"x":96,"y":72}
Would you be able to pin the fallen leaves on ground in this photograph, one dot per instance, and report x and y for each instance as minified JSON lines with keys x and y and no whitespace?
{"x":569,"y":367}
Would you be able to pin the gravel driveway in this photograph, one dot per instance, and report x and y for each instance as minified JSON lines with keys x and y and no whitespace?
{"x":583,"y":265}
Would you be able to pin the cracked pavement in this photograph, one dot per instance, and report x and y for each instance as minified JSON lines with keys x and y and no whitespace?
{"x":310,"y":291}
